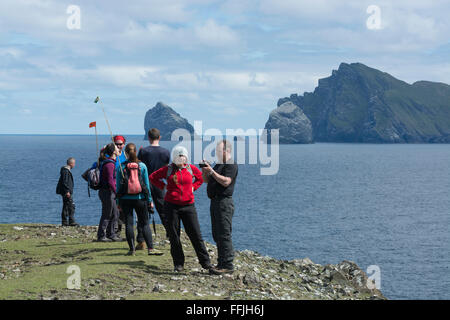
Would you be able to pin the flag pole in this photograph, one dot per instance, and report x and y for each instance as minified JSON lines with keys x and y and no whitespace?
{"x":110,"y":131}
{"x":94,"y":124}
{"x":96,"y":138}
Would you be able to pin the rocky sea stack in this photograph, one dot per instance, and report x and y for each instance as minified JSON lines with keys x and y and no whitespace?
{"x":293,"y":124}
{"x":166,"y":119}
{"x":361,"y":104}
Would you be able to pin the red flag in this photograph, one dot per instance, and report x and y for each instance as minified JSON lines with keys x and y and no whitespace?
{"x":93,"y":124}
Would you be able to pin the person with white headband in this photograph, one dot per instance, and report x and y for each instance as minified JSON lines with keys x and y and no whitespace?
{"x":179,"y":205}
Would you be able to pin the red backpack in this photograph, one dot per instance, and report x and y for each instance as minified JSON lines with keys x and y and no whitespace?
{"x":132,"y":182}
{"x":134,"y":185}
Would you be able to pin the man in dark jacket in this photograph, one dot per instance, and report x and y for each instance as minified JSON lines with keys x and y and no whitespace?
{"x":221,"y":180}
{"x":65,"y":189}
{"x":154,"y":157}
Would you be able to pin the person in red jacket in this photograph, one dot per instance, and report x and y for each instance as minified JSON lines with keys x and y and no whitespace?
{"x":182,"y":180}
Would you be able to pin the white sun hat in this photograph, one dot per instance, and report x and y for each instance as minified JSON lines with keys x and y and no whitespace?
{"x":179,"y":151}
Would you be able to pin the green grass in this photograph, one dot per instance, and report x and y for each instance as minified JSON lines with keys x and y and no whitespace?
{"x":34,"y":261}
{"x":106,"y":271}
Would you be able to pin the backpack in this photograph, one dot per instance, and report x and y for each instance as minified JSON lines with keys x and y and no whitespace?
{"x":132,"y":182}
{"x":92,"y":176}
{"x":173,"y":168}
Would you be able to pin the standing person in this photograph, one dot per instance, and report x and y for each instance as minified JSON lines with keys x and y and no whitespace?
{"x":179,"y":206}
{"x":221,"y":180}
{"x":119,"y":141}
{"x":107,"y":194}
{"x":154,"y":157}
{"x":65,"y":189}
{"x":133,"y":193}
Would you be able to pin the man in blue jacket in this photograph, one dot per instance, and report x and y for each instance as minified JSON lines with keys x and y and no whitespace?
{"x":65,"y":189}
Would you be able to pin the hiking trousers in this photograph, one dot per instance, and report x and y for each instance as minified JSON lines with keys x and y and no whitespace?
{"x":140,"y":206}
{"x":222,"y":210}
{"x":68,"y":210}
{"x":188,"y":215}
{"x":158,"y":201}
{"x":110,"y":214}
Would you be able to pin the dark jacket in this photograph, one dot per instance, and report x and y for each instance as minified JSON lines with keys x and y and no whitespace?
{"x":65,"y":183}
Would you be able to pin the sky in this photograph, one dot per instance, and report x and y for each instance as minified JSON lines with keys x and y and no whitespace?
{"x":225,"y":63}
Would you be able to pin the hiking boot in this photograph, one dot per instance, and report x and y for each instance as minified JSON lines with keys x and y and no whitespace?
{"x":220,"y":271}
{"x":178,"y":268}
{"x":140,"y":246}
{"x":207,"y":266}
{"x":73,"y":224}
{"x":105,"y":239}
{"x":154,"y":252}
{"x":116,"y":239}
{"x":131,"y":253}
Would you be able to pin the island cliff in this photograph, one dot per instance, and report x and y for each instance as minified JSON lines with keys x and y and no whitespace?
{"x":361,"y":104}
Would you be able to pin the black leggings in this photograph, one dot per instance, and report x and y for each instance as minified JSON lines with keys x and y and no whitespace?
{"x":188,"y":215}
{"x":140,"y":206}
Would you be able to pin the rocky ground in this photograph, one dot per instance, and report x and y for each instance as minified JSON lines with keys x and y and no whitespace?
{"x":34,"y":261}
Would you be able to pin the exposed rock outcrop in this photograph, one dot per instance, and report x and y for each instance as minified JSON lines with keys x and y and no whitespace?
{"x":144,"y":277}
{"x":164,"y":118}
{"x":294,"y":125}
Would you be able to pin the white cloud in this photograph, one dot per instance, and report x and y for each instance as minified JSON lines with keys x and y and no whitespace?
{"x":230,"y":55}
{"x":25,"y":112}
{"x":406,"y":26}
{"x":210,"y":33}
{"x":200,"y":35}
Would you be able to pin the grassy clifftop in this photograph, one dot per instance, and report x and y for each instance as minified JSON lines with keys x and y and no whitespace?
{"x":34,"y":262}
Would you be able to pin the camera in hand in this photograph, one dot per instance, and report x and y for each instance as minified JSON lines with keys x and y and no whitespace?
{"x":202,"y":164}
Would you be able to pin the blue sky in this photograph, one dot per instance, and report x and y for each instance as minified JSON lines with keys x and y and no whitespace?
{"x":223,"y":62}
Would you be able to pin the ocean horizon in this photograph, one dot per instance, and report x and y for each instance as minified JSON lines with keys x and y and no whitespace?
{"x":383,"y":205}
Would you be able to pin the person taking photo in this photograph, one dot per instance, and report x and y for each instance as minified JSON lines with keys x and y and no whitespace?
{"x":221,"y":180}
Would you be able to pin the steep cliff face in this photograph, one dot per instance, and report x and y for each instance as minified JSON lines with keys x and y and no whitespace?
{"x":294,"y":125}
{"x":164,"y":118}
{"x":361,"y":104}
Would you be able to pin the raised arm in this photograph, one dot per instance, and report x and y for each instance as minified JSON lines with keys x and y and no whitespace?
{"x":198,"y":177}
{"x":209,"y":172}
{"x":156,"y":178}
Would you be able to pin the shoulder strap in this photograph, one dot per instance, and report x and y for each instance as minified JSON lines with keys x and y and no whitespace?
{"x":105,"y":162}
{"x":169,"y":170}
{"x":189,"y":169}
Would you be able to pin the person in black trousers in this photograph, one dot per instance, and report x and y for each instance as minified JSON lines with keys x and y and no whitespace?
{"x":221,"y":180}
{"x":107,"y":194}
{"x":154,"y":157}
{"x":65,"y":189}
{"x":179,"y":205}
{"x":137,"y":201}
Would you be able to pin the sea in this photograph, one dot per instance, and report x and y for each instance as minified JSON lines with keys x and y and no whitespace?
{"x":384,"y":206}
